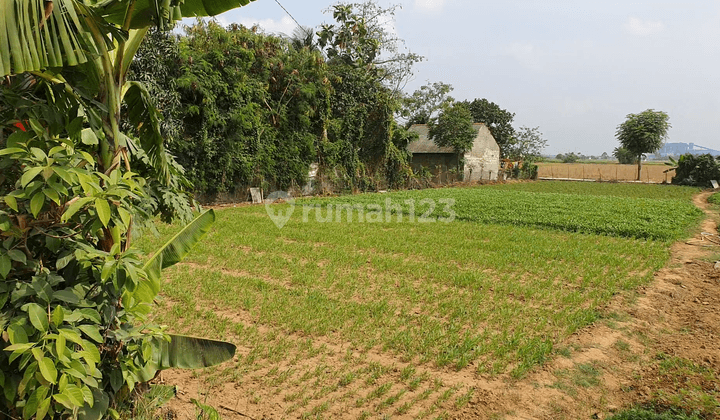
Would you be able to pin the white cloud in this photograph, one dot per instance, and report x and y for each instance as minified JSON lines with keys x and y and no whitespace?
{"x":284,"y":25}
{"x":643,"y":28}
{"x":429,"y":5}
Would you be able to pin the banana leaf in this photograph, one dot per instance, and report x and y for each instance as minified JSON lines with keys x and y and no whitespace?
{"x":186,"y":352}
{"x":177,"y":248}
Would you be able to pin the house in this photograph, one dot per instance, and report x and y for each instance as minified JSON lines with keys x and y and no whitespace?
{"x":482,"y":161}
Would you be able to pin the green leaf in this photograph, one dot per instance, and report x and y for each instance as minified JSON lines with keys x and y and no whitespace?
{"x":52,"y":194}
{"x":103,"y":210}
{"x":177,"y":248}
{"x":89,"y":137}
{"x":60,"y":345}
{"x":75,"y":394}
{"x":74,"y":207}
{"x":29,"y":175}
{"x":66,"y":295}
{"x":58,"y":314}
{"x":187,"y":352}
{"x":17,"y":255}
{"x":38,"y":317}
{"x":43,"y":408}
{"x":17,"y":334}
{"x":97,"y":410}
{"x":11,"y":202}
{"x":48,"y":370}
{"x":19,"y":347}
{"x":70,"y":335}
{"x":93,"y":332}
{"x":64,"y":400}
{"x":32,"y":403}
{"x":90,"y":352}
{"x":11,"y":150}
{"x":5,"y":265}
{"x":36,"y":203}
{"x":91,"y":314}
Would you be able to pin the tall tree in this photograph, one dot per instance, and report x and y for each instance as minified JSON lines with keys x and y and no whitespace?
{"x":454,"y":128}
{"x":425,"y":103}
{"x":528,"y":144}
{"x":498,"y":121}
{"x":367,"y":72}
{"x":643,"y":133}
{"x":361,"y":37}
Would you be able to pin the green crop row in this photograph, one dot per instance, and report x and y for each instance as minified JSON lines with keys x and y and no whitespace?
{"x":633,"y":217}
{"x":629,"y":190}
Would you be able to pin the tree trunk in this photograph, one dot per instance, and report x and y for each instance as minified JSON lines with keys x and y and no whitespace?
{"x":639,"y":167}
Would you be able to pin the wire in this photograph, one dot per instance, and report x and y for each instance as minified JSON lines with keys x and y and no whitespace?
{"x":288,"y":13}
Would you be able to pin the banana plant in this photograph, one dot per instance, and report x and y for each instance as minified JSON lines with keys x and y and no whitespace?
{"x":74,"y":294}
{"x":40,"y":36}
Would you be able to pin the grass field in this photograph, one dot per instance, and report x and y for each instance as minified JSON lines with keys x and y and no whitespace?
{"x":337,"y":317}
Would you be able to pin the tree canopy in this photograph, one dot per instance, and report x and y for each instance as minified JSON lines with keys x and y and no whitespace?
{"x":643,"y":133}
{"x":454,"y":128}
{"x":498,"y":121}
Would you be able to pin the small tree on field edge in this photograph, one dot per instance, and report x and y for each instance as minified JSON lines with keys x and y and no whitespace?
{"x":643,"y":133}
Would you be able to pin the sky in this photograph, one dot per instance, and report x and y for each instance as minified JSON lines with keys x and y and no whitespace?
{"x":573,"y":68}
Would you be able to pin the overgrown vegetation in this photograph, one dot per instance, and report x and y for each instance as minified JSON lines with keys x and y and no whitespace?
{"x":696,"y":170}
{"x":75,"y":295}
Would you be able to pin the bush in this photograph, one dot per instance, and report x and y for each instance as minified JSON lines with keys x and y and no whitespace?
{"x":697,"y":170}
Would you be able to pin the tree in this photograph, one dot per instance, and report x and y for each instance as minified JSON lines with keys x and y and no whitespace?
{"x":454,"y":128}
{"x":425,"y":103}
{"x":367,"y":71}
{"x":604,"y":156}
{"x":624,"y":156}
{"x":643,"y":133}
{"x":497,"y":120}
{"x":528,"y":144}
{"x":360,"y":37}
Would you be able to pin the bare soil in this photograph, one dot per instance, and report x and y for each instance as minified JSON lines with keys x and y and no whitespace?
{"x":633,"y":355}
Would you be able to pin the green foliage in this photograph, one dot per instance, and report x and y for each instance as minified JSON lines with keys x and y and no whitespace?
{"x":454,"y":128}
{"x":714,"y":199}
{"x":497,"y":120}
{"x":361,"y":38}
{"x":567,"y":157}
{"x":645,"y":414}
{"x":697,"y":170}
{"x":604,"y":189}
{"x":74,"y":297}
{"x":527,"y":145}
{"x":254,"y":109}
{"x":658,"y":219}
{"x":624,"y":156}
{"x":643,"y":133}
{"x":425,"y":103}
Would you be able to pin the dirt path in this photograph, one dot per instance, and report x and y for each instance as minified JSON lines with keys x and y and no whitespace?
{"x":660,"y":341}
